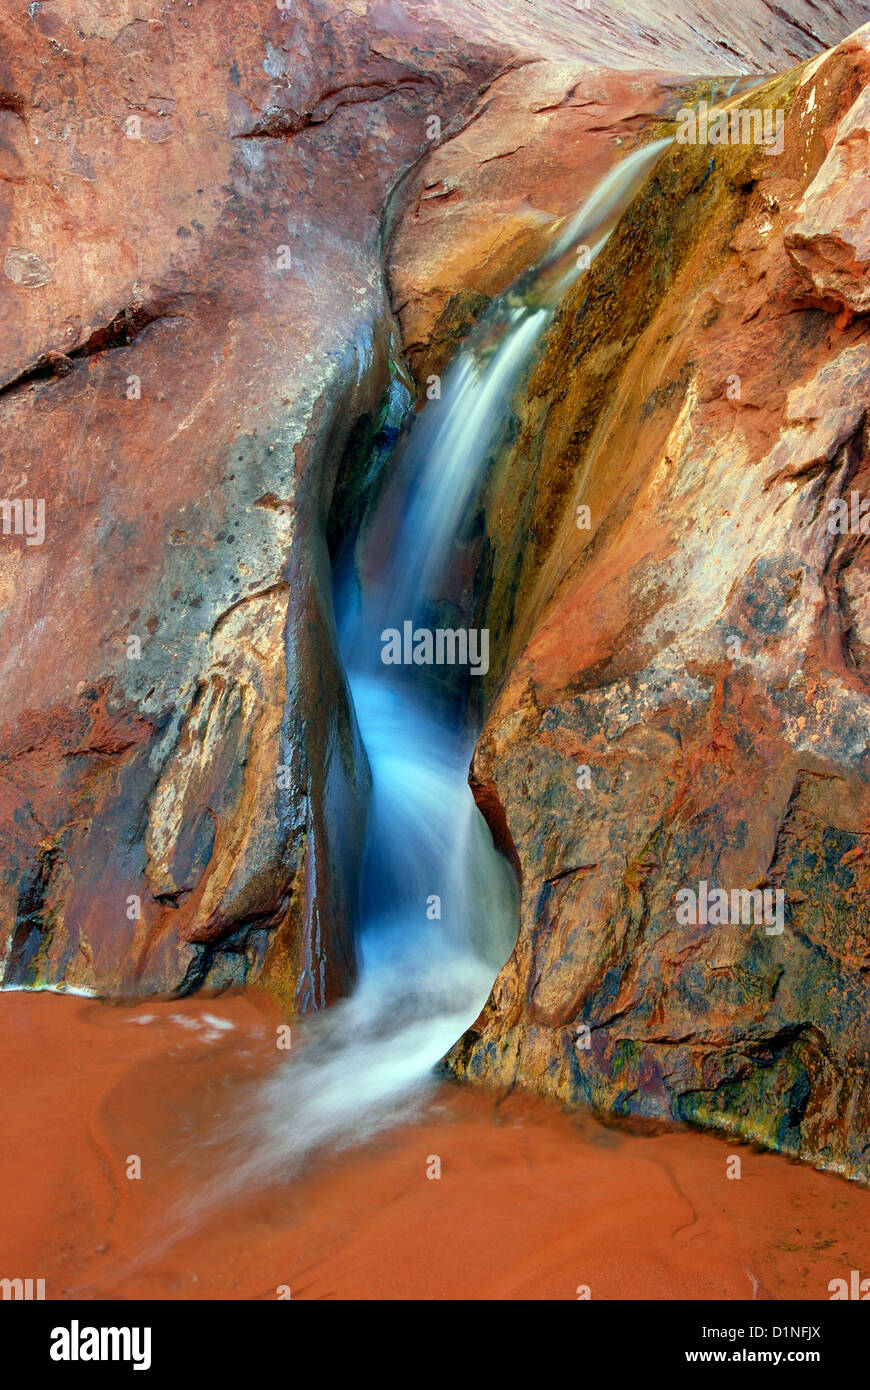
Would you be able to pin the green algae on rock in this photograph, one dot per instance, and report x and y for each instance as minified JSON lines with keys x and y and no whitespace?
{"x":684,"y":695}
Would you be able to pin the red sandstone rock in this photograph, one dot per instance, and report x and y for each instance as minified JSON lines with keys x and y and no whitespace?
{"x":829,"y":239}
{"x":699,"y":655}
{"x":487,"y":203}
{"x":194,"y":320}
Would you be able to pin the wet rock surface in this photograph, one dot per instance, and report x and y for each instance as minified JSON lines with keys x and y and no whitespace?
{"x":684,"y":703}
{"x":487,"y":203}
{"x":194,"y":319}
{"x":194,"y":219}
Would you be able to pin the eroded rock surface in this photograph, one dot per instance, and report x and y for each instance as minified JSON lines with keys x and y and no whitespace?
{"x":685,"y":697}
{"x":829,"y":239}
{"x":488,"y":202}
{"x":194,"y":321}
{"x":195,"y":326}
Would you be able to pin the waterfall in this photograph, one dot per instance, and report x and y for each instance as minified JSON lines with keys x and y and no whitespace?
{"x":438,"y":904}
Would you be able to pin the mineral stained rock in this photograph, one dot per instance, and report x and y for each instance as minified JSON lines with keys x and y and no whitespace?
{"x":483,"y":205}
{"x":684,"y":703}
{"x":193,"y":207}
{"x":194,"y":319}
{"x":486,"y":203}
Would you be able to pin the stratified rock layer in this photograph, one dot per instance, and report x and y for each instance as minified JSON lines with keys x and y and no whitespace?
{"x":686,"y":698}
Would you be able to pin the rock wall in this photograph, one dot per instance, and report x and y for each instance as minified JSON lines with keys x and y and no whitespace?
{"x":194,"y":319}
{"x":488,"y":200}
{"x":685,"y":691}
{"x":192,"y":209}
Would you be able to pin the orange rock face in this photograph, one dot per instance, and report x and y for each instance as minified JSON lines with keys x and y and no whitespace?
{"x":829,"y":239}
{"x":685,"y":705}
{"x":194,"y":322}
{"x":194,"y":319}
{"x":198,"y":339}
{"x":488,"y":202}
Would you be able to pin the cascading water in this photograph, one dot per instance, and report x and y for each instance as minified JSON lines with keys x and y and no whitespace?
{"x":438,"y":903}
